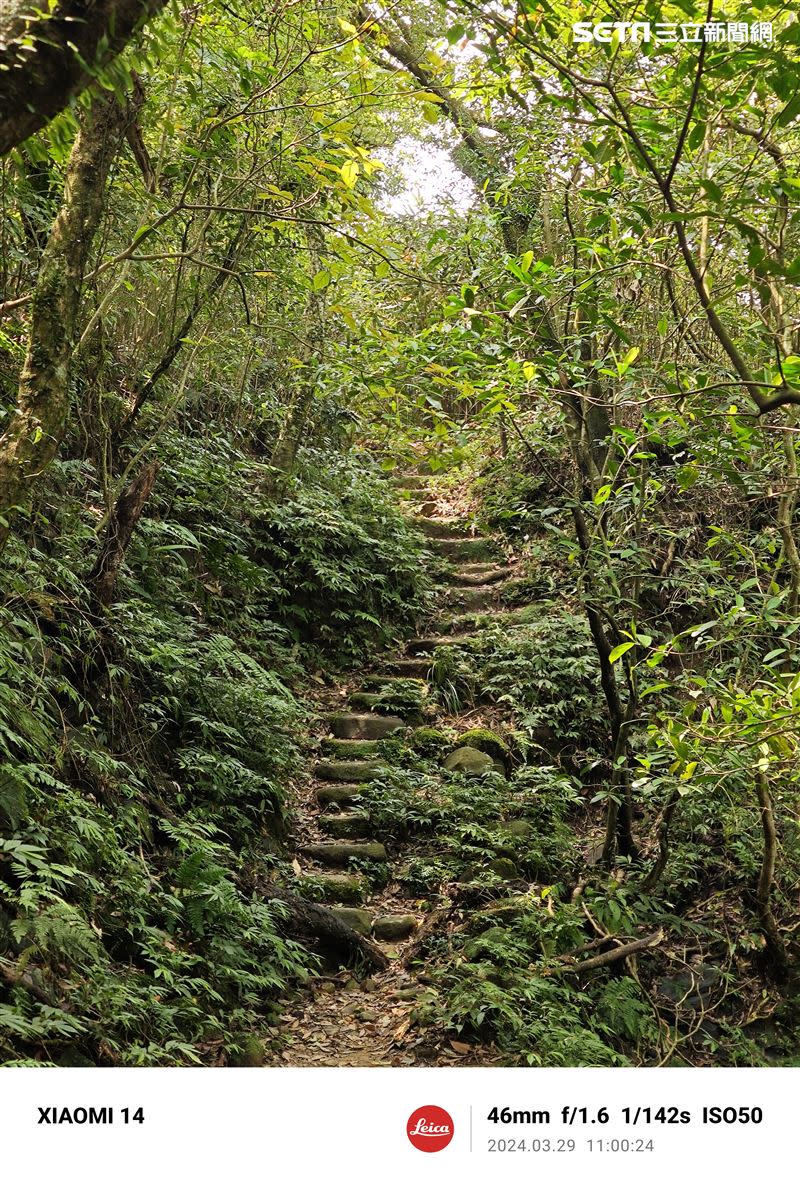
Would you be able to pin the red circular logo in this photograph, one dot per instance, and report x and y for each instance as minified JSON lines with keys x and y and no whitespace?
{"x":430,"y":1128}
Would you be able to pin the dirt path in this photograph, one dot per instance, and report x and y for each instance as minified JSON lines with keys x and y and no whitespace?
{"x":344,"y":1019}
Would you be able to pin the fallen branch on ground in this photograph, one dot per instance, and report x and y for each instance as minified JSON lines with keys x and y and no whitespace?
{"x":611,"y":956}
{"x":322,"y":925}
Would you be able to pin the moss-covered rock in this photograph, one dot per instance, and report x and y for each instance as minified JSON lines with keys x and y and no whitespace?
{"x":485,"y":741}
{"x":472,"y":761}
{"x":359,"y":920}
{"x":350,"y":749}
{"x":505,"y":868}
{"x":249,"y":1050}
{"x":429,"y":741}
{"x":345,"y":887}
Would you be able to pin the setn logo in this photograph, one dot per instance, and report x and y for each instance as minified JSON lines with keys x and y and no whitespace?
{"x":430,"y":1128}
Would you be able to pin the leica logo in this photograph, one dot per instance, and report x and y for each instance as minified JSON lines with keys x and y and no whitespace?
{"x":430,"y":1128}
{"x":422,"y":1128}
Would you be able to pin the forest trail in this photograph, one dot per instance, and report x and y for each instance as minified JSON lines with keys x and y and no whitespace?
{"x":347,"y":1019}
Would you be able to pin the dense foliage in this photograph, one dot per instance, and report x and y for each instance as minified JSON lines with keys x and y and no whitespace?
{"x":225,"y":319}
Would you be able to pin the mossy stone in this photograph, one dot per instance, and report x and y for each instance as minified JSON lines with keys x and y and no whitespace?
{"x":250,"y":1051}
{"x":518,"y":828}
{"x":505,"y":868}
{"x":393,"y":926}
{"x":472,"y":761}
{"x":429,"y":741}
{"x":335,"y":886}
{"x":485,"y":741}
{"x":359,"y":920}
{"x":350,"y":749}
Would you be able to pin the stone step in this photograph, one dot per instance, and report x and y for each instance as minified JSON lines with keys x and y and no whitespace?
{"x":359,"y":920}
{"x":349,"y":726}
{"x":347,"y":888}
{"x":393,"y":926}
{"x":436,"y":527}
{"x":466,"y":549}
{"x":346,"y":770}
{"x":376,"y":682}
{"x":349,"y":749}
{"x":352,"y":825}
{"x":427,"y":644}
{"x":410,"y":667}
{"x":363,"y":698}
{"x":480,"y":574}
{"x":339,"y":854}
{"x":469,"y":622}
{"x":370,"y":696}
{"x":472,"y":598}
{"x":341,"y":794}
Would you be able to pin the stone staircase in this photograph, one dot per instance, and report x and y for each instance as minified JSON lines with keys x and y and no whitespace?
{"x":350,"y":753}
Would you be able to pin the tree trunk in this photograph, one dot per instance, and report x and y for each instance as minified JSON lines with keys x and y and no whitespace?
{"x":48,"y":55}
{"x":38,"y":423}
{"x":775,"y":949}
{"x":122,"y":522}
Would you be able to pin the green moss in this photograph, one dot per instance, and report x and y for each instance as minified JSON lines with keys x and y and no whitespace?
{"x":429,"y":741}
{"x":485,"y":741}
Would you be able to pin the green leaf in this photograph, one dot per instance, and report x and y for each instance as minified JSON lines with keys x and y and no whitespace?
{"x":602,"y":494}
{"x":618,"y":652}
{"x":627,"y":360}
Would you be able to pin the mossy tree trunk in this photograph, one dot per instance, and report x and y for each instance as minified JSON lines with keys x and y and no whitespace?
{"x":50,"y":53}
{"x":37,"y":425}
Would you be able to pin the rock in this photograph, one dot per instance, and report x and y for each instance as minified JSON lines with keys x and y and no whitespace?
{"x":473,"y":598}
{"x":465,"y":549}
{"x":367,"y":727}
{"x":341,"y":853}
{"x":345,"y":826}
{"x":411,"y":667}
{"x":366,"y":1014}
{"x":350,"y":749}
{"x":410,"y":481}
{"x":505,"y":868}
{"x":470,"y":760}
{"x":429,"y":741}
{"x":394,"y":926}
{"x":407,"y":994}
{"x":363,"y":698}
{"x":518,"y":828}
{"x":346,"y":770}
{"x":357,"y":919}
{"x":346,"y":887}
{"x":692,"y":989}
{"x":71,"y":1055}
{"x":250,"y":1051}
{"x":342,"y":794}
{"x":485,"y":741}
{"x":486,"y":944}
{"x":439,"y":528}
{"x":379,"y":683}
